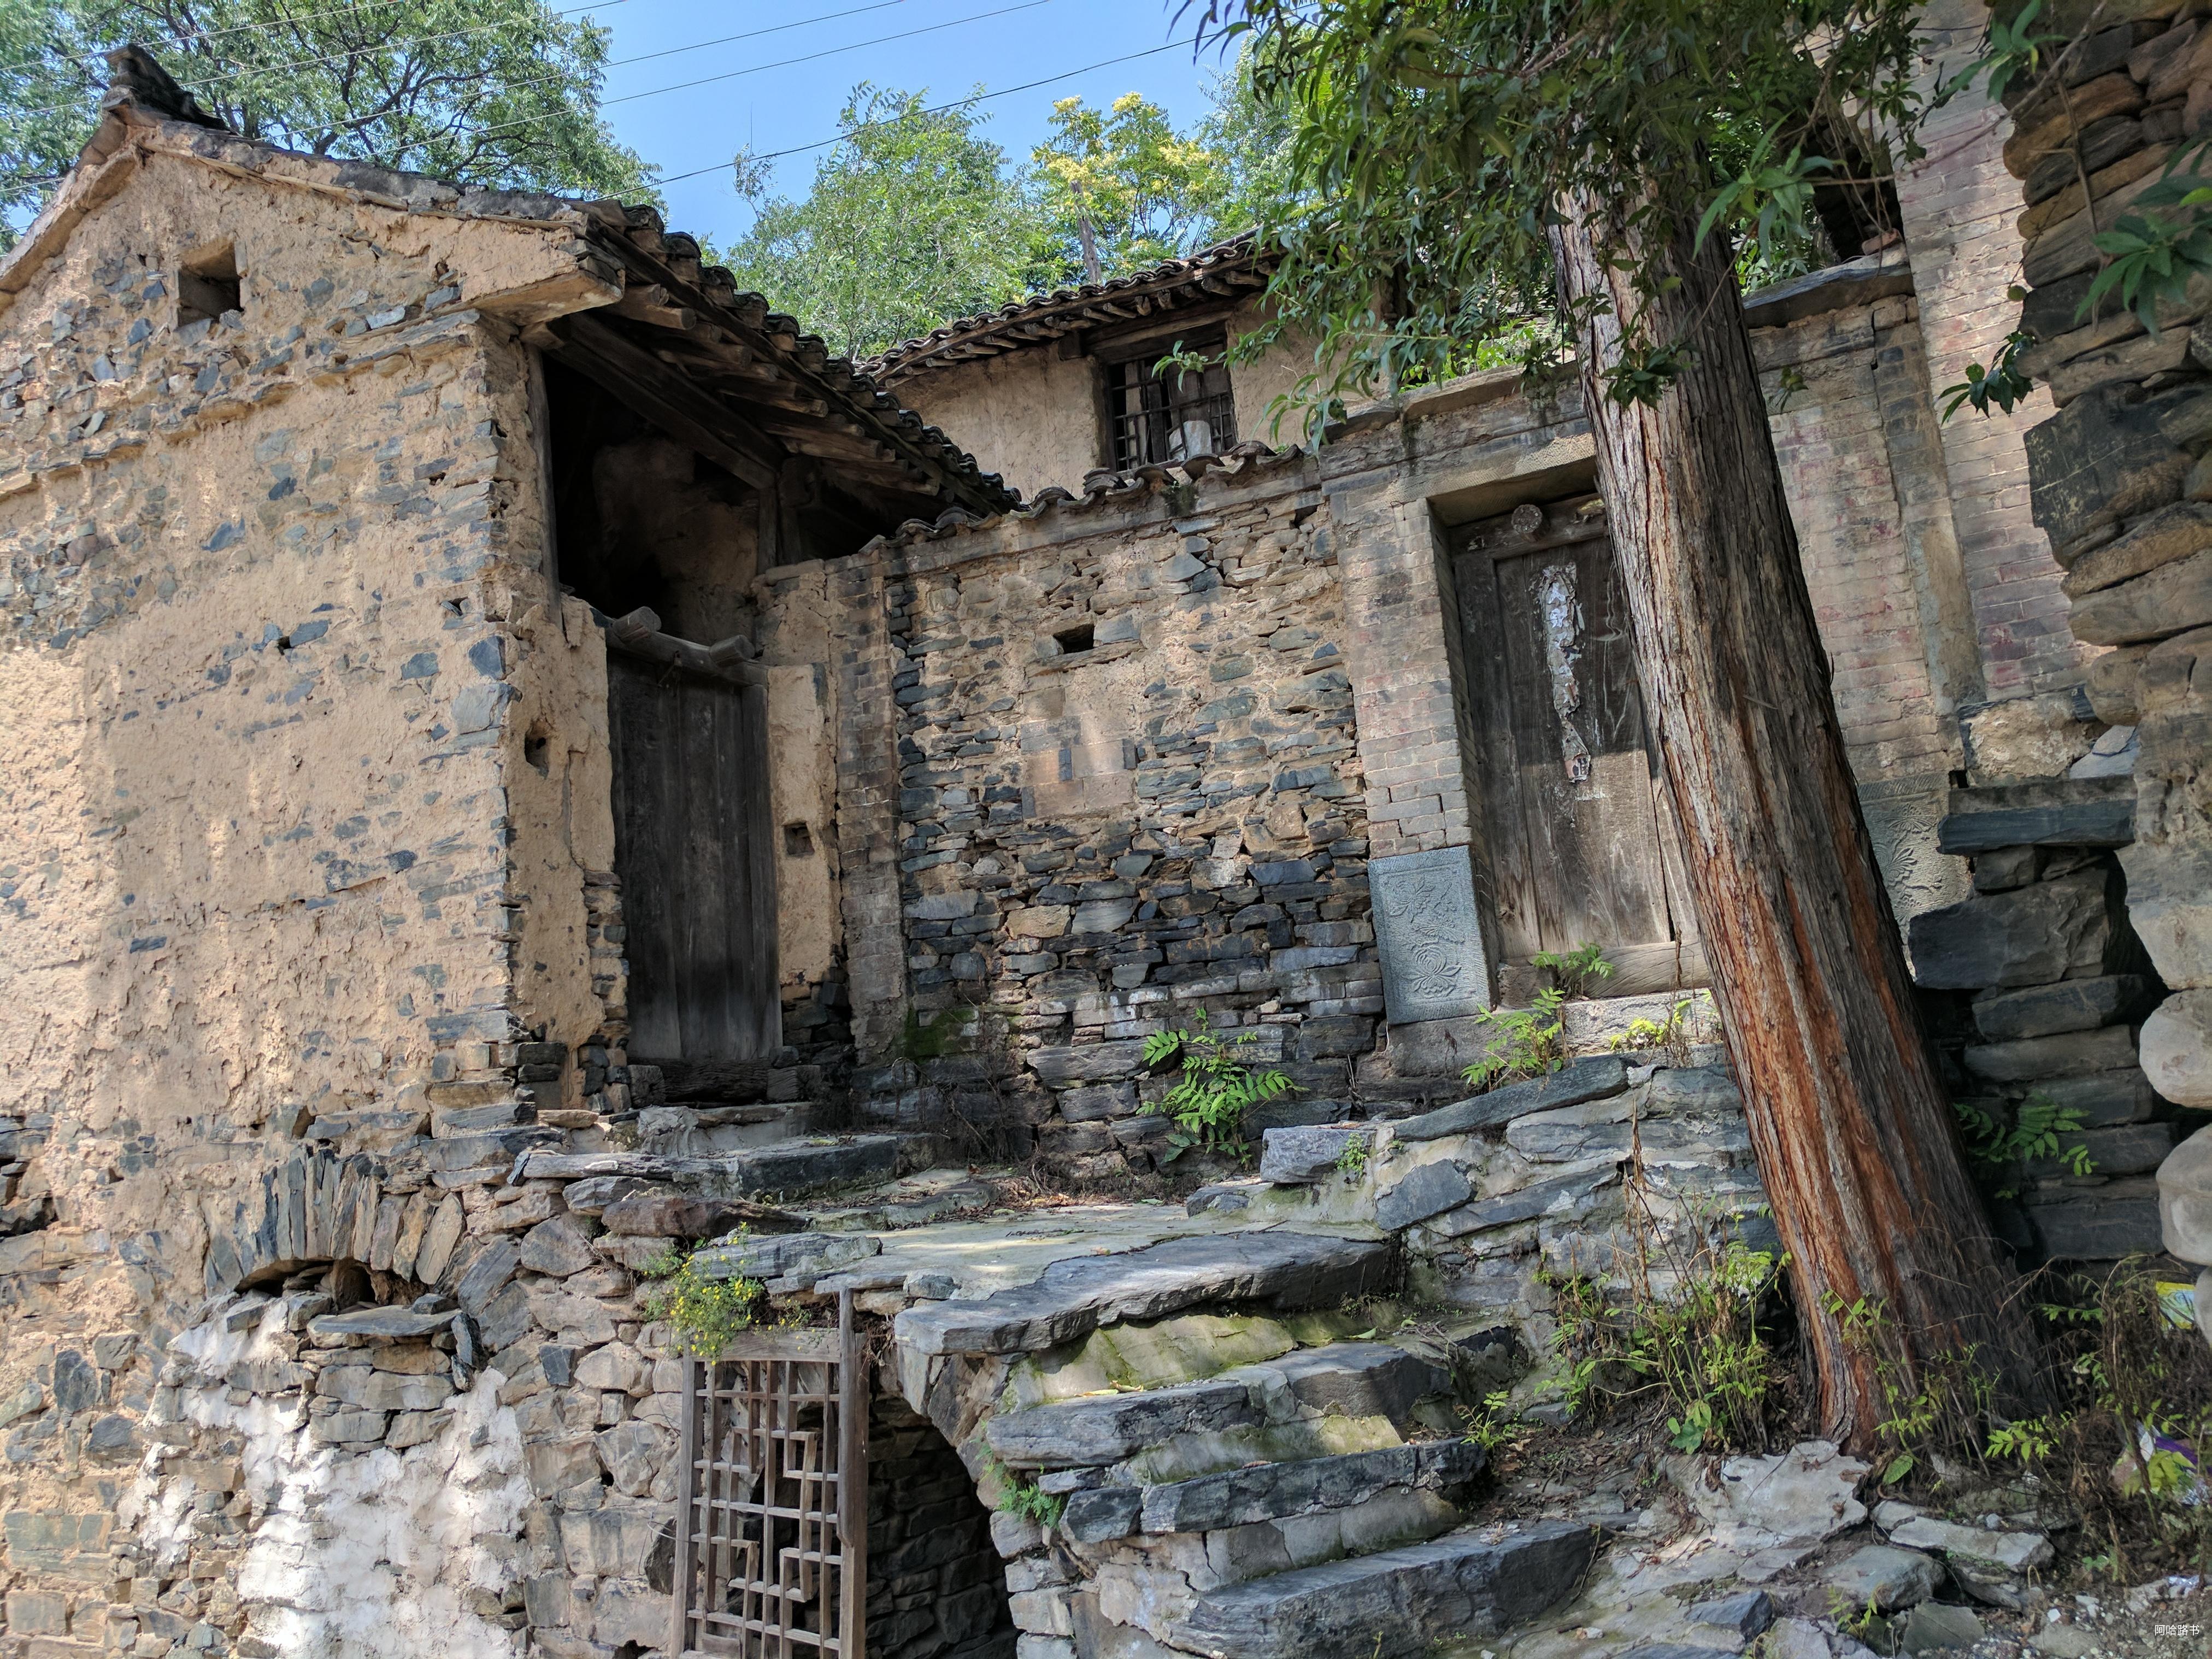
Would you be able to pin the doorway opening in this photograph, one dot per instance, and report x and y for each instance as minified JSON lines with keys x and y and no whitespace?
{"x":1580,"y":840}
{"x":936,"y":1586}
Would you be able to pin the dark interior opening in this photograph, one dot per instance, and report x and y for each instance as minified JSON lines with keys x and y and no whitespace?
{"x":798,"y":841}
{"x":208,"y":285}
{"x":1072,"y":641}
{"x":936,"y":1586}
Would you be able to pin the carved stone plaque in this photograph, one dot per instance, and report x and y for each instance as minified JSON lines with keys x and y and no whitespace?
{"x":1434,"y":959}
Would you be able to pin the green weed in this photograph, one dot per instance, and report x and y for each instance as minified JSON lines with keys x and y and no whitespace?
{"x":1215,"y":1090}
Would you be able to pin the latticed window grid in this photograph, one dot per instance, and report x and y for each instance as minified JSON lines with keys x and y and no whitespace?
{"x":772,"y":1551}
{"x":1159,"y":418}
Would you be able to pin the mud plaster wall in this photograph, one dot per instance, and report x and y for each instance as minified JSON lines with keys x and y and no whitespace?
{"x":258,"y":582}
{"x":1036,"y":419}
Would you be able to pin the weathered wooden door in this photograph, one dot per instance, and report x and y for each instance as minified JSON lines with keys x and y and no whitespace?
{"x":693,"y":854}
{"x":1581,"y":844}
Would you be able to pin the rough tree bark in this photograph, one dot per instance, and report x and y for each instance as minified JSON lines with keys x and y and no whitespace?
{"x":1855,"y":1138}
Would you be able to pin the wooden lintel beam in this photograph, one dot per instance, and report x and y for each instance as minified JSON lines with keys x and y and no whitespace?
{"x":661,"y":394}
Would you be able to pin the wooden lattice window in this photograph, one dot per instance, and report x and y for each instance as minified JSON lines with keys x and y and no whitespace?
{"x":1172,"y":417}
{"x":772,"y":1546}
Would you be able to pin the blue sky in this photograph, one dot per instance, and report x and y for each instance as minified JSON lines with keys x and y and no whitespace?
{"x":775,"y":108}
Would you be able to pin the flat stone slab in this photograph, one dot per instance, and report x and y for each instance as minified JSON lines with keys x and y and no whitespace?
{"x":1429,"y":1190}
{"x":1299,"y":1157}
{"x":2072,"y":1005}
{"x":1074,"y":1296}
{"x":2047,"y":812}
{"x":396,"y":1324}
{"x":1394,"y":1604}
{"x":1347,"y":1379}
{"x":1274,"y":1491}
{"x":1105,"y":1429}
{"x":2007,"y":1551}
{"x":1887,"y":1577}
{"x":791,"y":1166}
{"x":1591,"y":1078}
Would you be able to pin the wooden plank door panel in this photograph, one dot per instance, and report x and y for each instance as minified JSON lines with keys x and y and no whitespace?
{"x":1566,"y":762}
{"x":692,"y":852}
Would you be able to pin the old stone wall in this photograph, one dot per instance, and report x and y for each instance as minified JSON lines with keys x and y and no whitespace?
{"x":1127,"y":781}
{"x":275,"y":631}
{"x":2116,"y":480}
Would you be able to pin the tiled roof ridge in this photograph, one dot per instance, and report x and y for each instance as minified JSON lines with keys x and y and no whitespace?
{"x":915,"y":356}
{"x":1100,"y":488}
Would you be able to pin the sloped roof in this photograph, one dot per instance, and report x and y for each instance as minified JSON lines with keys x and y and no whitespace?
{"x":715,"y":355}
{"x":1228,"y":270}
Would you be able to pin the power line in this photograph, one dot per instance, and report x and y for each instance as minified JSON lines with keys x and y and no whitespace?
{"x":938,"y":109}
{"x":240,"y":72}
{"x":301,"y":17}
{"x":830,"y":51}
{"x":755,"y":69}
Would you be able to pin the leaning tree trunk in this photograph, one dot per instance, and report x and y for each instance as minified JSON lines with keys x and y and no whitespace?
{"x":1856,"y":1142}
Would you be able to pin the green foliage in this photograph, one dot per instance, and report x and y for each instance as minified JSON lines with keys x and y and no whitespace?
{"x":2151,"y":254}
{"x":1352,"y":1162}
{"x":1527,"y":1042}
{"x":1020,"y":1495}
{"x":1120,"y":189}
{"x":2015,"y":48}
{"x":705,"y":1313}
{"x":2040,"y":1129}
{"x":913,"y":218}
{"x":1700,"y":1350}
{"x":1670,"y":1037}
{"x":1215,"y":1090}
{"x":1495,"y":1427}
{"x":1437,"y":143}
{"x":485,"y":92}
{"x":2003,"y":383}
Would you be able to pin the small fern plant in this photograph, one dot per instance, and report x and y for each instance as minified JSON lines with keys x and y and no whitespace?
{"x":1209,"y":1100}
{"x":1529,"y":1041}
{"x":2040,"y":1129}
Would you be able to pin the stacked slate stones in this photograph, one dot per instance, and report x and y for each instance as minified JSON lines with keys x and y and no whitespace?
{"x":2057,"y":985}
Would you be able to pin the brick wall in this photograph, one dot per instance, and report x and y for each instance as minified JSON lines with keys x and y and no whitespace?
{"x":1959,"y":205}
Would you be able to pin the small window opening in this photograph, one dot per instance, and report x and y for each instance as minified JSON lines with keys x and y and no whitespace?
{"x":1171,"y":417}
{"x":208,"y":285}
{"x":535,"y":743}
{"x":1073,"y":640}
{"x":798,"y":841}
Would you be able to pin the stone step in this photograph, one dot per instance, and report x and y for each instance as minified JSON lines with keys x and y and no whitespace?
{"x":702,"y":1131}
{"x":1071,"y":1298}
{"x":1346,"y":1379}
{"x":1274,"y":1491}
{"x":1395,"y":1604}
{"x":789,"y":1167}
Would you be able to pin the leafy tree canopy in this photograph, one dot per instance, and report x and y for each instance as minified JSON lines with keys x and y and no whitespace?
{"x":1440,"y":141}
{"x":913,"y":219}
{"x":485,"y":92}
{"x":1123,"y":189}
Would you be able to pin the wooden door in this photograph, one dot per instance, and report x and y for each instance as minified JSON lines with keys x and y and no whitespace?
{"x":693,"y":854}
{"x":1581,"y":844}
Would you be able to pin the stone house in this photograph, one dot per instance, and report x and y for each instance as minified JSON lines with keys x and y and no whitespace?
{"x":522,"y":756}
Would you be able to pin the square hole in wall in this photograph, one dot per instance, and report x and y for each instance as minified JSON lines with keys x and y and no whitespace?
{"x":208,"y":284}
{"x":798,"y":841}
{"x":1072,"y":641}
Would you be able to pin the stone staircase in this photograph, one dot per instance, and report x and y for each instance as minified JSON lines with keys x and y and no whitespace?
{"x":1313,"y":1501}
{"x":1327,"y":1511}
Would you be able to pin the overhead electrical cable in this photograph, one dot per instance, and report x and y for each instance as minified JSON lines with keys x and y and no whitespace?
{"x":934,"y":109}
{"x":296,"y":17}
